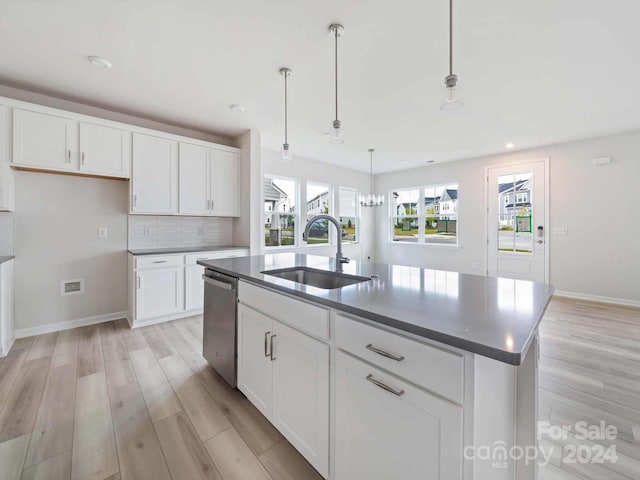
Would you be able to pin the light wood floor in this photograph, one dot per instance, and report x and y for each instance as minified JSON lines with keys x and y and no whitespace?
{"x":107,"y":402}
{"x":590,"y":371}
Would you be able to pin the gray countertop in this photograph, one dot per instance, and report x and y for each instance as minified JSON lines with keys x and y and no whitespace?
{"x":6,"y":258}
{"x":493,"y":317}
{"x":166,"y":250}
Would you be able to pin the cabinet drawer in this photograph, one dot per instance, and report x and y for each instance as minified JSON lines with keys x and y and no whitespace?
{"x":436,"y":370}
{"x":192,"y":258}
{"x":301,"y":315}
{"x":158,"y":261}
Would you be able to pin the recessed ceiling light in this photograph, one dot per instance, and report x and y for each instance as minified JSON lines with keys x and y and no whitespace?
{"x":99,"y":62}
{"x":236,"y":108}
{"x":509,"y":145}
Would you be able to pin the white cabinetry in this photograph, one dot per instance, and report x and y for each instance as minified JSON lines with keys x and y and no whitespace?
{"x":45,"y":141}
{"x":285,"y":374}
{"x":154,"y":183}
{"x":6,"y":174}
{"x":104,"y":150}
{"x":209,"y":181}
{"x":7,"y":334}
{"x":387,"y":428}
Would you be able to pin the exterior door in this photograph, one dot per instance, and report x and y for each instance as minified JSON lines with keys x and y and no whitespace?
{"x":255,"y":367}
{"x":388,"y":429}
{"x":516,"y":221}
{"x":104,"y":150}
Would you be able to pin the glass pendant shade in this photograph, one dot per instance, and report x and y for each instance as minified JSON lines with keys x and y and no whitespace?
{"x":335,"y":135}
{"x":285,"y":152}
{"x":371,"y":200}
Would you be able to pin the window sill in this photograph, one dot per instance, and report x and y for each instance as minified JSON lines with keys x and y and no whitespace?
{"x":432,"y":245}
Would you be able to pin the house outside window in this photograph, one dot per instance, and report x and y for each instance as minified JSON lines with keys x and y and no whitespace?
{"x":349,"y":214}
{"x":280,"y":211}
{"x":425,"y":215}
{"x":319,"y":201}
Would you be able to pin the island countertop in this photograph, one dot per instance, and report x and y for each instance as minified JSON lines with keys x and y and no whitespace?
{"x":493,"y":317}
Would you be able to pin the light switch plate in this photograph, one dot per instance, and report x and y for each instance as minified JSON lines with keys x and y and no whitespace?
{"x":103,"y":232}
{"x":561,"y":231}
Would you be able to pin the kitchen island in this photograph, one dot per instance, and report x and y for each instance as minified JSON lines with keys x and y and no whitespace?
{"x":408,"y":373}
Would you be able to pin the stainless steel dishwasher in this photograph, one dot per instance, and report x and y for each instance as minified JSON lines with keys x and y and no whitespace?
{"x":220,"y":326}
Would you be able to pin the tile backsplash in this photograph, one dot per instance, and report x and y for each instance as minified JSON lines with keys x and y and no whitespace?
{"x":6,"y":233}
{"x":152,"y":231}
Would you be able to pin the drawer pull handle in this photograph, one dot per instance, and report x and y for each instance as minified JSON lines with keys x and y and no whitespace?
{"x":160,"y":261}
{"x":378,"y":383}
{"x":397,"y":358}
{"x":266,"y":351}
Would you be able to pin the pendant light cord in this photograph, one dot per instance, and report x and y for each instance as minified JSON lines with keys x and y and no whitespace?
{"x":285,"y":110}
{"x":336,"y":67}
{"x":450,"y":37}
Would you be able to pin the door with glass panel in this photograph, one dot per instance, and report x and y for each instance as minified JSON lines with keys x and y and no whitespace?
{"x":516,"y":228}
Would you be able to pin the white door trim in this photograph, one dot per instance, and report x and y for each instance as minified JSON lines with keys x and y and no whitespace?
{"x":547,"y":195}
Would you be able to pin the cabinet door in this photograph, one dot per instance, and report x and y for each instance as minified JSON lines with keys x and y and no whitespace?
{"x":41,"y":140}
{"x":154,"y":183}
{"x":194,"y":287}
{"x":301,"y":394}
{"x":104,"y":150}
{"x":159,"y":292}
{"x":254,"y":362}
{"x":225,"y":183}
{"x":194,"y":179}
{"x":382,"y":435}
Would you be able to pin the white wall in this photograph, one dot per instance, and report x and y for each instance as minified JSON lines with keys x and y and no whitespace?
{"x":600,"y":206}
{"x":309,"y":170}
{"x":56,"y":238}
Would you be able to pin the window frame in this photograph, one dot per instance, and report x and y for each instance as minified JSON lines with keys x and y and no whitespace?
{"x":422,"y":216}
{"x":296,"y":214}
{"x":331,"y":239}
{"x":358,"y":212}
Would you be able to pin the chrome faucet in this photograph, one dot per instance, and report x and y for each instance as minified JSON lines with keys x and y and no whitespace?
{"x":340,"y":259}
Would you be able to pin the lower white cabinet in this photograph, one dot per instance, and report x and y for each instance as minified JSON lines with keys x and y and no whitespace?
{"x":285,"y":374}
{"x":386,"y":428}
{"x":159,"y":291}
{"x":193,"y":287}
{"x":7,"y":333}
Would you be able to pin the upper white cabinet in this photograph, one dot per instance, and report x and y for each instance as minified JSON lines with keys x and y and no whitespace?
{"x":6,"y":175}
{"x":44,"y":141}
{"x":194,"y":180}
{"x":225,"y":183}
{"x":209,"y":181}
{"x":154,"y":182}
{"x":104,"y":150}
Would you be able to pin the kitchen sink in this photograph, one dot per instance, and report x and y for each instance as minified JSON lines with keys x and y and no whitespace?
{"x":316,"y":278}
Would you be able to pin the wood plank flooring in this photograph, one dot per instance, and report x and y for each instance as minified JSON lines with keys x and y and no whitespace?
{"x":107,"y":402}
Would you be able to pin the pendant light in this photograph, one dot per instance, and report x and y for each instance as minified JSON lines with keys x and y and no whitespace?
{"x":285,"y":150}
{"x":372,"y":200}
{"x":335,"y":135}
{"x":450,"y":101}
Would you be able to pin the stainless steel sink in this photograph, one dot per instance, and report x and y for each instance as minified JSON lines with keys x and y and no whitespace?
{"x":316,"y":278}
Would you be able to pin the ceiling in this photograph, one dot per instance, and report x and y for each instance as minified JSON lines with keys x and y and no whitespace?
{"x":531,"y":72}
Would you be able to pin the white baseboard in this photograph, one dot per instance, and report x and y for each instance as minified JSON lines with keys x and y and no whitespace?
{"x":4,"y":353}
{"x":56,"y":327}
{"x":598,"y":298}
{"x":167,"y":318}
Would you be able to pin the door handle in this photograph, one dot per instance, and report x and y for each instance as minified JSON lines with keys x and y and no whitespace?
{"x":271,"y":348}
{"x":266,"y":341}
{"x":383,"y":386}
{"x":397,"y":358}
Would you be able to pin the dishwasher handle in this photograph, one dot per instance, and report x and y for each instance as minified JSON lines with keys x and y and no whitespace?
{"x":218,"y":283}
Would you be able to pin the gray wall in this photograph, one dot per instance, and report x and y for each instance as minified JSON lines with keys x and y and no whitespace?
{"x":592,"y":259}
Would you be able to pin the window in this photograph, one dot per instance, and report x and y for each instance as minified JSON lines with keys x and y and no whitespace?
{"x":349,"y":214}
{"x":521,"y":197}
{"x":280,"y":212}
{"x":318,"y":202}
{"x":425,"y":215}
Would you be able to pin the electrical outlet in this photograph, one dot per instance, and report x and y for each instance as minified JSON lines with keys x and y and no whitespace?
{"x":103,"y":232}
{"x":474,"y":265}
{"x":561,"y":231}
{"x":148,"y":231}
